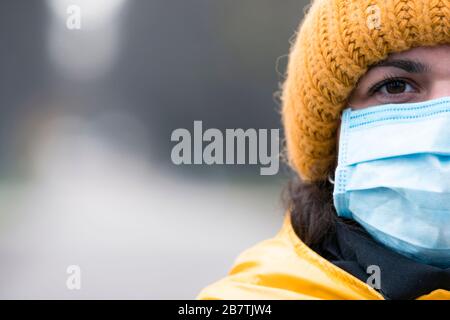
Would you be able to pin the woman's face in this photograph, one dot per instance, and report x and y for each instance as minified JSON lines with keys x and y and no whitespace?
{"x":416,"y":75}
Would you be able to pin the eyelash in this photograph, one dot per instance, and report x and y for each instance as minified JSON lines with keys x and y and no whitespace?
{"x":376,"y":87}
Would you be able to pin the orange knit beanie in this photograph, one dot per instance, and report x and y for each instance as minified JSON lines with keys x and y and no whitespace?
{"x":337,"y":41}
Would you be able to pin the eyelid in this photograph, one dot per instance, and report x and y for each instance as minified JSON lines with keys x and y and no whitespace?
{"x":386,"y":80}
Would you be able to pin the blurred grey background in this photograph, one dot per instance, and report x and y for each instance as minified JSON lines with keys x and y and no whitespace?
{"x":86,"y":117}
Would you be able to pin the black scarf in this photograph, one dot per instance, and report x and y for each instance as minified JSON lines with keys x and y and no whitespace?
{"x":352,"y":249}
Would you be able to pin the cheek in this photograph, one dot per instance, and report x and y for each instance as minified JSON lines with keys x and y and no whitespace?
{"x":358,"y":99}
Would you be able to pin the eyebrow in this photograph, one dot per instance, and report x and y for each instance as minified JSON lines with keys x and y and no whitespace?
{"x":410,"y":66}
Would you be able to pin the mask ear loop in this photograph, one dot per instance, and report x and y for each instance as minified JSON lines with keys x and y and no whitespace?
{"x":331,"y":180}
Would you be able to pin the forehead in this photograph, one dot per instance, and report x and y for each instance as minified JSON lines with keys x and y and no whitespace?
{"x":436,"y":57}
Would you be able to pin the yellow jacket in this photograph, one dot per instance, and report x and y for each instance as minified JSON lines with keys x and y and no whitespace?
{"x":285,"y":268}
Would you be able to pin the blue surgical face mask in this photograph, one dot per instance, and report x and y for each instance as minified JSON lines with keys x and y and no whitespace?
{"x":393,"y":176}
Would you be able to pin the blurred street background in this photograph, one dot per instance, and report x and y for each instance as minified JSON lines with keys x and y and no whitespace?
{"x":86,"y":117}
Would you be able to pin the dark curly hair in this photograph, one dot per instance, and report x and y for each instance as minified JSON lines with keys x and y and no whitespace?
{"x":310,"y":205}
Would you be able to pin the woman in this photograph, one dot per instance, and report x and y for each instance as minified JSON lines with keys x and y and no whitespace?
{"x":366,"y":110}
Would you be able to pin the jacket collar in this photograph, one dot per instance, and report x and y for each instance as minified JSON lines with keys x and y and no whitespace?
{"x":353,"y":250}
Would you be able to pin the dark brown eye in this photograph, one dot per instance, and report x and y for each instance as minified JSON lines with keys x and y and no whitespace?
{"x":396,"y":87}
